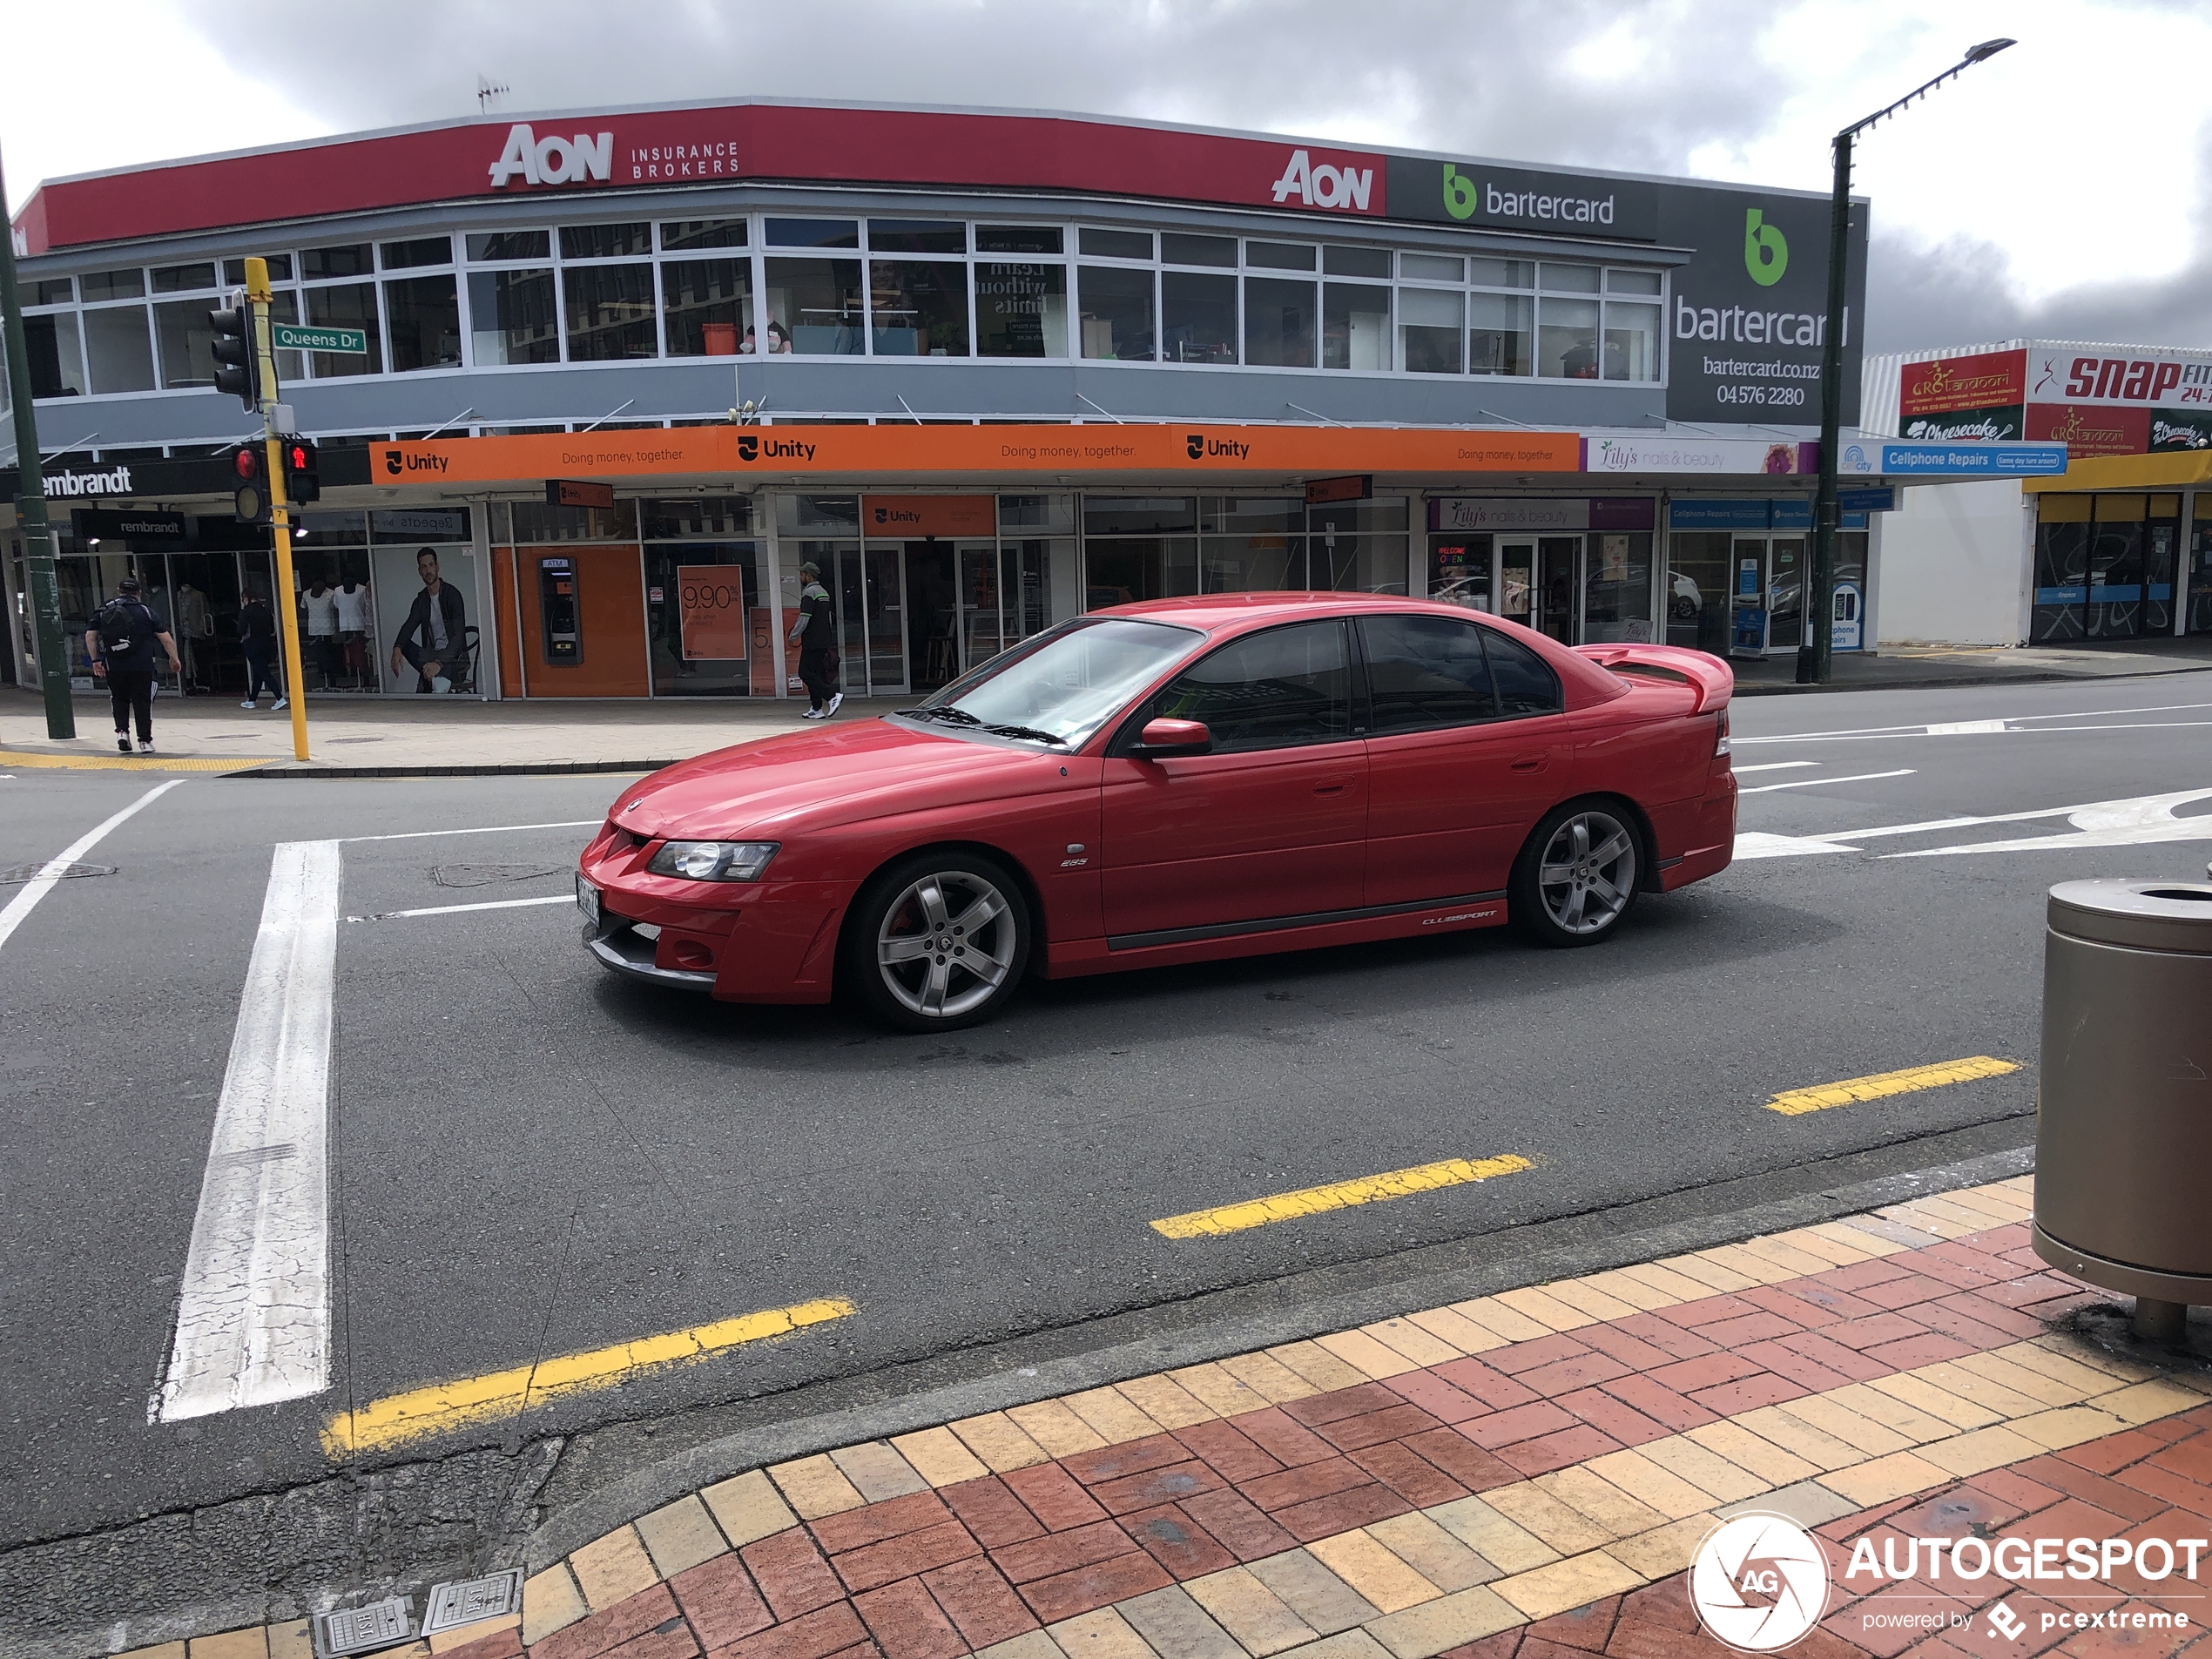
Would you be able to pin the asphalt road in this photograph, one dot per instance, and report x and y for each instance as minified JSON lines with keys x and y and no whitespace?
{"x":528,"y":1157}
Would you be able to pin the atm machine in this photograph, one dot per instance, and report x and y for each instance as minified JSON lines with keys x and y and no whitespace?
{"x":559,"y":611}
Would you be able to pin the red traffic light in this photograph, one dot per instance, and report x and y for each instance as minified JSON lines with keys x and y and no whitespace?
{"x":247,"y":461}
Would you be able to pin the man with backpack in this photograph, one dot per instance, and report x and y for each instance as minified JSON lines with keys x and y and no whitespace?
{"x":121,"y":642}
{"x":814,"y":631}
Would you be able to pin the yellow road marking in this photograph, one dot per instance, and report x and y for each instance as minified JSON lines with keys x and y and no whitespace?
{"x":444,"y":1406}
{"x":1796,"y":1102}
{"x":1314,"y":1201}
{"x":129,"y":763}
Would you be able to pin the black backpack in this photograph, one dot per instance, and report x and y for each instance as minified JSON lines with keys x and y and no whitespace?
{"x":123,"y":624}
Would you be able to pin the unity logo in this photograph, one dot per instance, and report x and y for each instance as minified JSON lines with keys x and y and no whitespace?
{"x":1759,"y":1582}
{"x":1766,"y":251}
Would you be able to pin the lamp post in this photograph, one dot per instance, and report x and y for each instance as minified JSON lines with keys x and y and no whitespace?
{"x":30,"y":503}
{"x":1815,"y":658}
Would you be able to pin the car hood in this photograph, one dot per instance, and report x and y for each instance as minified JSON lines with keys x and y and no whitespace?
{"x":820,"y":779}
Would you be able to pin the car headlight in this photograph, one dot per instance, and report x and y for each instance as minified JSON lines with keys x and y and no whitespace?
{"x":714,"y":860}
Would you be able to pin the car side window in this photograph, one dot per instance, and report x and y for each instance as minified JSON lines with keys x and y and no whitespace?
{"x":1267,"y":690}
{"x":1525,"y":681}
{"x":1424,"y":672}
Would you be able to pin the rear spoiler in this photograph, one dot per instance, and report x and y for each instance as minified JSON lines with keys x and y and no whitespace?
{"x":1712,"y":679}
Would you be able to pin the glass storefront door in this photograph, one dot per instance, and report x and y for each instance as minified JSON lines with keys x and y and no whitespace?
{"x":1558,"y":593}
{"x":1516,"y":579}
{"x":1785,"y":586}
{"x":933,"y":614}
{"x":1748,"y":559}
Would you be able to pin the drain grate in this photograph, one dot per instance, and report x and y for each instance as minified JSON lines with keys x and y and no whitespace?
{"x":22,"y":873}
{"x":358,"y":1629}
{"x":485,"y":875}
{"x":468,"y":1601}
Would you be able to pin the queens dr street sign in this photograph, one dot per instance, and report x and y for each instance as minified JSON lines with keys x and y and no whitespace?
{"x":290,"y":336}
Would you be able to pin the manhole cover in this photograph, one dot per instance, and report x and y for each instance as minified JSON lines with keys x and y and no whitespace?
{"x":31,"y":872}
{"x":358,"y":1629}
{"x":470,"y":1600}
{"x":484,"y":875}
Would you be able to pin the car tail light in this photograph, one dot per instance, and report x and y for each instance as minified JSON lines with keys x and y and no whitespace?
{"x":1720,"y":736}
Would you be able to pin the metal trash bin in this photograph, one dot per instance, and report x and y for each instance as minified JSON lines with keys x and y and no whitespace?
{"x":2123,"y":1142}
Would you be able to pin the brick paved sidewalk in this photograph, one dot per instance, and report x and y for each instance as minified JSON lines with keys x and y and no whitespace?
{"x":1525,"y":1475}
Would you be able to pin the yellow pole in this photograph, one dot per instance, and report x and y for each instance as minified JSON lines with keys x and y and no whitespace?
{"x":287,"y":603}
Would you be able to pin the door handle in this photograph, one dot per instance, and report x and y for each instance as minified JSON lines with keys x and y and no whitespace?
{"x":1533,"y":761}
{"x":1335,"y":786}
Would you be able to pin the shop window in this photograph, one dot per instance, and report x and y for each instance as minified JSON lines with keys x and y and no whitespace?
{"x":279,"y":266}
{"x":114,"y":285}
{"x":1631,"y":281}
{"x":1279,"y":256}
{"x":1198,"y":316}
{"x":1279,"y":322}
{"x":1043,"y":513}
{"x":1358,"y":547}
{"x":608,"y":310}
{"x":1501,"y":333}
{"x":56,"y":356}
{"x":351,"y":307}
{"x":1698,"y":590}
{"x":51,"y":291}
{"x":1430,"y":324}
{"x":1356,"y":262}
{"x":706,"y":306}
{"x":694,"y":516}
{"x":490,"y":247}
{"x":1176,"y":248}
{"x":1567,"y":339}
{"x":1116,"y":311}
{"x":1631,"y":341}
{"x":185,"y":343}
{"x":707,"y":626}
{"x":511,"y":318}
{"x":1280,"y":689}
{"x":421,"y":250}
{"x":833,"y":515}
{"x":1021,"y":310}
{"x":916,"y":236}
{"x":182,"y":279}
{"x":2162,"y":539}
{"x":1459,"y":571}
{"x":351,"y":259}
{"x":2199,"y":617}
{"x":2115,"y":605}
{"x":683,"y":234}
{"x":424,"y":314}
{"x":1502,"y":274}
{"x":1616,"y":587}
{"x":1017,"y":239}
{"x":1263,"y":564}
{"x":814,"y":232}
{"x":814,"y":307}
{"x":1115,"y":244}
{"x":1138,"y":514}
{"x":538,"y":522}
{"x":1569,"y":279}
{"x":2062,"y":567}
{"x":1431,"y":267}
{"x":605,"y":241}
{"x":119,"y":352}
{"x":918,"y":309}
{"x":1245,"y":515}
{"x":1122,"y":571}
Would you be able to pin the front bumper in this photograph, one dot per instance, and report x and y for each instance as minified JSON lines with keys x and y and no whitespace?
{"x":620,"y":944}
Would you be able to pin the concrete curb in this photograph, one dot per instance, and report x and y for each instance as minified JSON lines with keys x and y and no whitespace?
{"x":574,"y":1525}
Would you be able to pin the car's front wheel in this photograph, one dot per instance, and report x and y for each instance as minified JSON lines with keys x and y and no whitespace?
{"x":1576,"y":877}
{"x":938,"y":941}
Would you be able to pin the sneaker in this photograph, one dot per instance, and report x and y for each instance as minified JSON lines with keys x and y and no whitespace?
{"x":145,"y":746}
{"x":830,"y":707}
{"x":123,"y":742}
{"x":812,"y":714}
{"x":282,"y":702}
{"x":247,"y":704}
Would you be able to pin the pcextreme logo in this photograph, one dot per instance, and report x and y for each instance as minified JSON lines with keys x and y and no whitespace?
{"x":554,"y":160}
{"x":1766,"y":251}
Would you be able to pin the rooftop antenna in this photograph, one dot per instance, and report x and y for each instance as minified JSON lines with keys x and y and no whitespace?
{"x":487,"y":94}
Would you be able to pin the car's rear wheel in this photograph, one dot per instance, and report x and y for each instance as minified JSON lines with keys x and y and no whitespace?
{"x":938,"y":941}
{"x":1576,"y":877}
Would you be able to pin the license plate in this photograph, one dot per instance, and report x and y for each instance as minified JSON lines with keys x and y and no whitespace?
{"x":587,"y":900}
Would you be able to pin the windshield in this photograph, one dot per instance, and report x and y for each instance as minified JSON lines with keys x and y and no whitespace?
{"x":1067,"y":683}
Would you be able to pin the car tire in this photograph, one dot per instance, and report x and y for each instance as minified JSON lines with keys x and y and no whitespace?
{"x":1577,"y":876}
{"x":938,"y":941}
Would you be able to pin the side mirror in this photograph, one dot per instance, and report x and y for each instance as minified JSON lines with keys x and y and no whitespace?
{"x":1160,"y":739}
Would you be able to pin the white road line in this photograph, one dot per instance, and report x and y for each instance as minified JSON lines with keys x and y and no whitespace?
{"x":254,"y":1320}
{"x":1957,"y":728}
{"x":1821,"y":783}
{"x":456,"y":909}
{"x":36,"y":888}
{"x":1777,"y":765}
{"x":488,"y":829}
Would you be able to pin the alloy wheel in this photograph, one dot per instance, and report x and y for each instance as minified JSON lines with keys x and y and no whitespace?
{"x":1588,"y":872}
{"x":948,"y":942}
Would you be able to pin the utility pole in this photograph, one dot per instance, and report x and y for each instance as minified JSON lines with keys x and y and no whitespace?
{"x":31,"y":504}
{"x":286,"y":606}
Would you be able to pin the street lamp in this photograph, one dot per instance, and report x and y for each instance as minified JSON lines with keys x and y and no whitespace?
{"x":1814,"y":656}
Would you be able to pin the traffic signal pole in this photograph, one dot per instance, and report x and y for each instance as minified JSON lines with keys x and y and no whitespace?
{"x":286,"y":606}
{"x":30,"y":506}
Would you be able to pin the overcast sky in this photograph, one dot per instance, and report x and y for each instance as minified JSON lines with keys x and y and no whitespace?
{"x":2060,"y":189}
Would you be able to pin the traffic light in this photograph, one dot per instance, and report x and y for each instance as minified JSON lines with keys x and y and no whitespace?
{"x":301,"y":481}
{"x":249,"y":476}
{"x":238,"y":365}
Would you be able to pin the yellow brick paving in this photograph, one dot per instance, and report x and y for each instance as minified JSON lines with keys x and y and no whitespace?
{"x":1796,"y":1101}
{"x":1423,"y":1583}
{"x":129,"y":763}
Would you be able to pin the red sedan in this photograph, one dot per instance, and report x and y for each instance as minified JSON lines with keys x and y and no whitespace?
{"x":1175,"y":782}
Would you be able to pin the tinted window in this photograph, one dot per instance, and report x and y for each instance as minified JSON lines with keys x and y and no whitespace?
{"x":1270,"y":691}
{"x":1424,"y":671}
{"x":1524,"y":682}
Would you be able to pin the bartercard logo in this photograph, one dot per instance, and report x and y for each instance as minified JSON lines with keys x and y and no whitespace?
{"x":1766,"y":251}
{"x":584,"y":158}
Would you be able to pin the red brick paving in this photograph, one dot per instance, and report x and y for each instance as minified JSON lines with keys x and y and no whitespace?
{"x":957,"y":1569}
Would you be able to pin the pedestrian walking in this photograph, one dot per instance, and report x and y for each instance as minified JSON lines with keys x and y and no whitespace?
{"x":814,"y":631}
{"x":257,"y":633}
{"x":121,"y":642}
